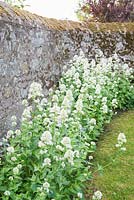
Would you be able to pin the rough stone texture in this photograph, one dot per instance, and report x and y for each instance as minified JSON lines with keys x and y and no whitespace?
{"x":33,"y":48}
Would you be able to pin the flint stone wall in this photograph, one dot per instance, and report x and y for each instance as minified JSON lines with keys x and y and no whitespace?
{"x":33,"y":48}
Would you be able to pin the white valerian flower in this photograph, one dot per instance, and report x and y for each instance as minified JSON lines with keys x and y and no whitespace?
{"x":81,"y":96}
{"x":11,"y":178}
{"x":40,"y":189}
{"x":43,"y":152}
{"x":69,"y":94}
{"x":95,"y":103}
{"x":47,"y":162}
{"x":56,"y":158}
{"x":55,"y":98}
{"x":13,"y":118}
{"x":118,"y":145}
{"x":93,"y":143}
{"x":37,"y":101}
{"x":18,"y":132}
{"x":104,"y":100}
{"x":104,"y":109}
{"x":55,"y":109}
{"x":98,"y":89}
{"x":62,"y":87}
{"x":79,"y":195}
{"x":59,"y":147}
{"x":114,"y":103}
{"x":15,"y":170}
{"x":46,"y":121}
{"x":121,"y":138}
{"x":41,"y":144}
{"x":13,"y":158}
{"x":35,"y":90}
{"x":69,"y":155}
{"x":4,"y":139}
{"x":7,"y":193}
{"x":66,"y":141}
{"x":14,"y":124}
{"x":47,"y":138}
{"x":26,"y":113}
{"x":63,"y":164}
{"x":97,"y":195}
{"x":25,"y":102}
{"x":19,"y":166}
{"x":78,"y":83}
{"x":63,"y":114}
{"x":9,"y":134}
{"x":64,"y":68}
{"x":71,"y":72}
{"x":123,"y":148}
{"x":66,"y":102}
{"x":90,"y":97}
{"x":40,"y":107}
{"x":46,"y":186}
{"x":79,"y":105}
{"x":93,"y":121}
{"x":10,"y":149}
{"x":43,"y":101}
{"x":90,"y":157}
{"x":91,"y":128}
{"x":76,"y":76}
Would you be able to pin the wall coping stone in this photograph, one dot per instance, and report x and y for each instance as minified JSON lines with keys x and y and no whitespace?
{"x":25,"y":18}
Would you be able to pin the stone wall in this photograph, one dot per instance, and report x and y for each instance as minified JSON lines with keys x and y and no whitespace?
{"x":33,"y":48}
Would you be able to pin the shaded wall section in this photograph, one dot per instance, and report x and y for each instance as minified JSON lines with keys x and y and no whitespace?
{"x":34,"y":48}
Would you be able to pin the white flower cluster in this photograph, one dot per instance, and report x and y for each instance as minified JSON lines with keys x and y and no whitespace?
{"x":10,"y":150}
{"x":93,"y":121}
{"x":9,"y":134}
{"x":25,"y":102}
{"x":97,"y":195}
{"x":16,"y":169}
{"x":98,"y":89}
{"x":114,"y":103}
{"x":7,"y":193}
{"x":47,"y":162}
{"x":80,"y":195}
{"x":26,"y":115}
{"x":14,"y":121}
{"x":35,"y":91}
{"x":65,"y":107}
{"x":79,"y":105}
{"x":66,"y":141}
{"x":45,"y":139}
{"x":45,"y":187}
{"x":69,"y":155}
{"x":121,"y":140}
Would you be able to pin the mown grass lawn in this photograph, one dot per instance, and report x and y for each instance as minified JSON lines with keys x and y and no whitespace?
{"x":117,"y":179}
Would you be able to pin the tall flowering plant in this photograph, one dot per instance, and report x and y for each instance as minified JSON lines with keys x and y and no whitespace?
{"x":49,"y":157}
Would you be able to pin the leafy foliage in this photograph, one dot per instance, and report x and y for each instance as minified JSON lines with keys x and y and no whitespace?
{"x":107,"y":10}
{"x":48,"y":158}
